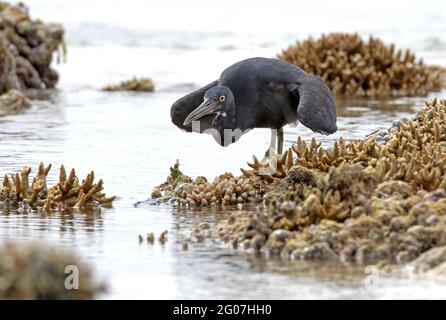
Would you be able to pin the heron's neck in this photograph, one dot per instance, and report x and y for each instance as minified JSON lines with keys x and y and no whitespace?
{"x":230,"y":117}
{"x":224,"y":125}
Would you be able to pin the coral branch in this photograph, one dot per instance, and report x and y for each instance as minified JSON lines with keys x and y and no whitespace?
{"x":67,"y":193}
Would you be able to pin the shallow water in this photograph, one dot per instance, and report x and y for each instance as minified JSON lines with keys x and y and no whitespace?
{"x":129,"y":141}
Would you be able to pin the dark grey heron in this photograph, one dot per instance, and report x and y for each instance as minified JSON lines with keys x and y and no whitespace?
{"x":257,"y":93}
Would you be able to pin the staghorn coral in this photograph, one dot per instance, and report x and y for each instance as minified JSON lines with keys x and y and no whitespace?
{"x":13,"y":102}
{"x":26,"y":49}
{"x":358,"y":201}
{"x":67,"y":193}
{"x":228,"y":189}
{"x":353,"y":67}
{"x":135,"y":84}
{"x":38,"y":272}
{"x":273,"y":166}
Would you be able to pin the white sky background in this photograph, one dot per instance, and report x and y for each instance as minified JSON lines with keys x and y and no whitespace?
{"x":313,"y":16}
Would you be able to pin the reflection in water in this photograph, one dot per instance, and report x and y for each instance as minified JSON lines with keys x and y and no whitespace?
{"x":67,"y":221}
{"x":89,"y":221}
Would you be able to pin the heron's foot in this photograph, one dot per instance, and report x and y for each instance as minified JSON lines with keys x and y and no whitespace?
{"x":276,"y":136}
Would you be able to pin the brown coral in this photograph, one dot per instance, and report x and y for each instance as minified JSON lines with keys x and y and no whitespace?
{"x":26,"y":49}
{"x":273,"y":166}
{"x":227,"y":189}
{"x":13,"y":102}
{"x":38,"y":272}
{"x":354,"y":67}
{"x":68,"y":193}
{"x":135,"y":84}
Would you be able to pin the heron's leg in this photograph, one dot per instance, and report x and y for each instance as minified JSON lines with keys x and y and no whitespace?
{"x":280,"y":141}
{"x":272,"y":143}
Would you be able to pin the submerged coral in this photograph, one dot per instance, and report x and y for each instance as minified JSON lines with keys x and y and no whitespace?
{"x":13,"y":102}
{"x":135,"y":84}
{"x":26,"y":49}
{"x":358,"y":201}
{"x":68,"y":193}
{"x":38,"y":272}
{"x":353,"y":67}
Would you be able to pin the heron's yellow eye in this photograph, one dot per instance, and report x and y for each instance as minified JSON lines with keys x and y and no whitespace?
{"x":222,"y":98}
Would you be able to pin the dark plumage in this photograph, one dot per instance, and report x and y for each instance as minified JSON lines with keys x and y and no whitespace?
{"x":257,"y":93}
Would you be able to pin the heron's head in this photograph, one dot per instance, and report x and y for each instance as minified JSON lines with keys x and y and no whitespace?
{"x":218,"y":100}
{"x":317,"y":106}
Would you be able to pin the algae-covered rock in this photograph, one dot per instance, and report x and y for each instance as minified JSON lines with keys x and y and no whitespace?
{"x":35,"y":271}
{"x":13,"y":102}
{"x":135,"y":84}
{"x":352,"y":66}
{"x":68,"y":193}
{"x":26,"y":49}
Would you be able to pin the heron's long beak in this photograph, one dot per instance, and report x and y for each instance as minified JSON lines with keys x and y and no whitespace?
{"x":208,"y":106}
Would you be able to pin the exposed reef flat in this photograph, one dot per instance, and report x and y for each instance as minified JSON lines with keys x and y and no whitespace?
{"x":68,"y":193}
{"x":26,"y":49}
{"x":356,"y":202}
{"x":352,"y":66}
{"x":135,"y":84}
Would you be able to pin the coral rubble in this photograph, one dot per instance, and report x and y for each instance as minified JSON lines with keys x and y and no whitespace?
{"x":13,"y":102}
{"x":38,"y":272}
{"x":354,"y":67}
{"x":135,"y":84}
{"x":26,"y":49}
{"x":67,"y":193}
{"x":358,"y":201}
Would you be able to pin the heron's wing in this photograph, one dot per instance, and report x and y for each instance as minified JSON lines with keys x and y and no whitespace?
{"x":317,"y":108}
{"x":185,"y":105}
